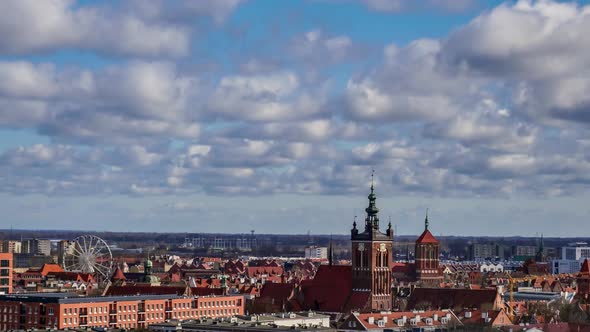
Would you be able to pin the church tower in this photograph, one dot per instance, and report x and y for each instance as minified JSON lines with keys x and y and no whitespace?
{"x":427,"y":258}
{"x":372,"y":258}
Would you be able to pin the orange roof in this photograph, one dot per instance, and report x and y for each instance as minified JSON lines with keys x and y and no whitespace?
{"x":426,"y":237}
{"x":47,"y":268}
{"x":118,"y":275}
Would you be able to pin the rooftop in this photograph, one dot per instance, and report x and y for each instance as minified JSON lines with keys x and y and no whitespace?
{"x":67,"y":298}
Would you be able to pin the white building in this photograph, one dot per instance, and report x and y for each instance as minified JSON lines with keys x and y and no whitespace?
{"x":491,"y":267}
{"x":572,"y":257}
{"x":316,"y":252}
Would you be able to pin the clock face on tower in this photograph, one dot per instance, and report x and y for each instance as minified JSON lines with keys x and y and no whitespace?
{"x":382,"y":247}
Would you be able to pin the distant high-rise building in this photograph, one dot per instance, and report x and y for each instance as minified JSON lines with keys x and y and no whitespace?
{"x":525,"y":251}
{"x":314,"y":252}
{"x":482,"y":251}
{"x":11,"y":246}
{"x":62,"y":251}
{"x":571,"y":258}
{"x":36,"y":246}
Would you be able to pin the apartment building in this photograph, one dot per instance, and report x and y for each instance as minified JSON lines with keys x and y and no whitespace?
{"x":63,"y":310}
{"x":5,"y":273}
{"x":571,"y":258}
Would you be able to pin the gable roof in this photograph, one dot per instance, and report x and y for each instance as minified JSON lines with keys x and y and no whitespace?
{"x":71,"y":276}
{"x":46,"y":268}
{"x":426,"y":237}
{"x":585,"y":267}
{"x":329,"y":291}
{"x":118,"y":275}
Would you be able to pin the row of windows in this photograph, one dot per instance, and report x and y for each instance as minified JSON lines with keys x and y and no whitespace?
{"x":91,"y":310}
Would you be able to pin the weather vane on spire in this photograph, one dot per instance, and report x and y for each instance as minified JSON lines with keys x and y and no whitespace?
{"x":372,"y":178}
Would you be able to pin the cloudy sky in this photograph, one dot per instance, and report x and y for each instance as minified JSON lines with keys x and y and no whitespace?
{"x":231,"y":115}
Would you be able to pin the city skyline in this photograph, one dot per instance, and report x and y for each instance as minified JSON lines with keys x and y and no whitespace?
{"x":228,"y":115}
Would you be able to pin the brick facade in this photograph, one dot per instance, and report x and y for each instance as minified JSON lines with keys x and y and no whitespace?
{"x":55,"y":310}
{"x":6,"y":262}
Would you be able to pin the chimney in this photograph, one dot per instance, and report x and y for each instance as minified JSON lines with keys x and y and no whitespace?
{"x":371,"y":320}
{"x":467,"y":314}
{"x":417,"y":318}
{"x":384,"y":319}
{"x":435,"y":317}
{"x":484,"y":315}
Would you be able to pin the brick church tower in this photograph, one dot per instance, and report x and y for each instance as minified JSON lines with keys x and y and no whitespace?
{"x":372,"y":258}
{"x":427,"y":258}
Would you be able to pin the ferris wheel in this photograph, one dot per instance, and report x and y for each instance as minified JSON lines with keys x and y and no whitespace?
{"x":89,"y":254}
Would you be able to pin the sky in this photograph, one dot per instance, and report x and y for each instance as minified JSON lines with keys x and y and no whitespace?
{"x":238,"y":115}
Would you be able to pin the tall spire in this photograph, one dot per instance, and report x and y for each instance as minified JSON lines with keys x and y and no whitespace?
{"x":426,"y":221}
{"x":331,"y":252}
{"x":540,"y":257}
{"x":372,"y":220}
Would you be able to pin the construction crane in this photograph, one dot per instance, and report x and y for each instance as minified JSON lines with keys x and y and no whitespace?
{"x":514,"y":281}
{"x":511,"y":303}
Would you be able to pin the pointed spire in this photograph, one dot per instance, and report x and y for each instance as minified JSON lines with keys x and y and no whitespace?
{"x":540,"y":257}
{"x":331,"y":252}
{"x":426,"y":221}
{"x":372,"y":220}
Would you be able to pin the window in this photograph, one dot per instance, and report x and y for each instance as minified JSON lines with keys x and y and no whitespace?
{"x":4,"y":263}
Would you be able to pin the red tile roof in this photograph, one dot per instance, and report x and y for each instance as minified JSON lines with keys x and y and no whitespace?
{"x":357,"y":301}
{"x":47,"y":268}
{"x":370,"y":321}
{"x":128,"y":290}
{"x":254,"y":271}
{"x":451,"y":298}
{"x":118,"y":275}
{"x":204,"y":291}
{"x":426,"y":237}
{"x":329,"y":290}
{"x":279,"y":293}
{"x":71,"y":276}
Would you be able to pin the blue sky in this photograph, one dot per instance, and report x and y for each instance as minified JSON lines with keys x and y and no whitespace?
{"x":229,"y":115}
